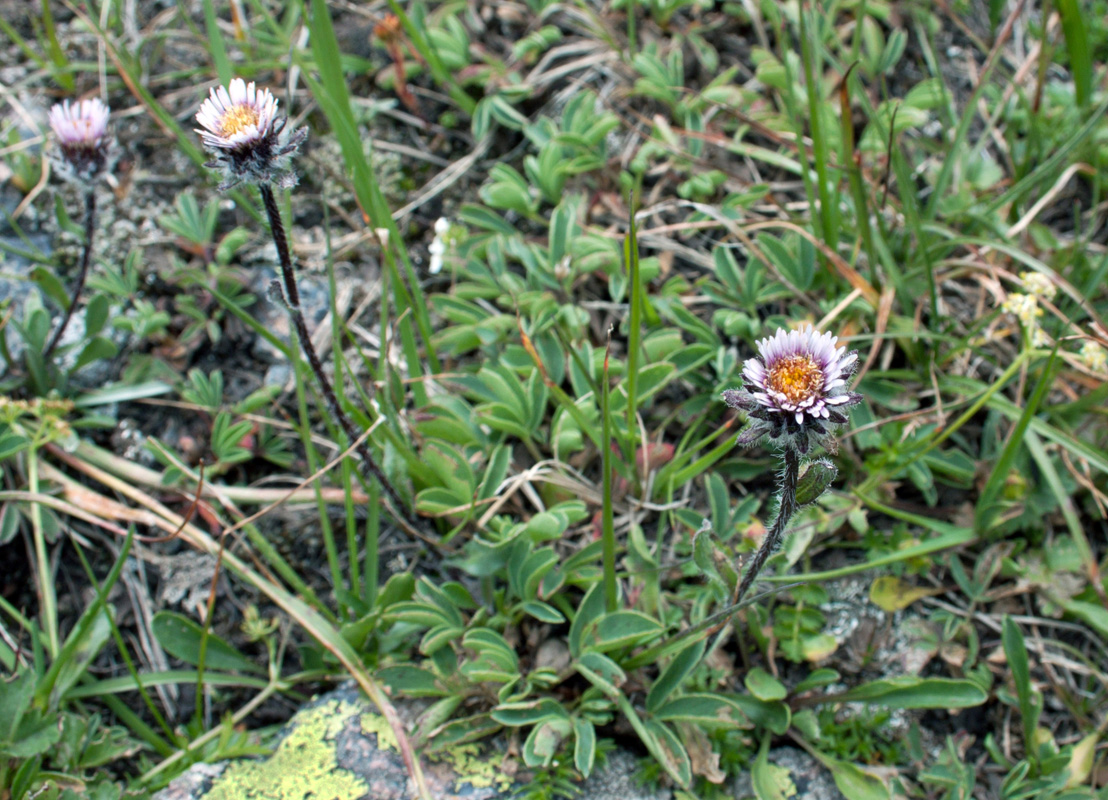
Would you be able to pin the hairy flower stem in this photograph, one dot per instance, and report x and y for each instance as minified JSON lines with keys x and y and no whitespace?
{"x":82,"y":274}
{"x":292,"y":300}
{"x":785,"y":511}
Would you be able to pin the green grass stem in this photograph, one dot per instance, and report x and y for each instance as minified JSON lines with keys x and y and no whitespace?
{"x":607,"y":533}
{"x":634,"y":335}
{"x":828,"y":196}
{"x":47,"y":593}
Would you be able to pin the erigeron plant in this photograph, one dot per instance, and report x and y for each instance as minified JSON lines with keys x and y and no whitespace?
{"x":797,"y":398}
{"x":84,"y":147}
{"x":241,"y":127}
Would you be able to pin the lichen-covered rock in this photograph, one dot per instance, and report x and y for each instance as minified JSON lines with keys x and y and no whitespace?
{"x":340,"y":748}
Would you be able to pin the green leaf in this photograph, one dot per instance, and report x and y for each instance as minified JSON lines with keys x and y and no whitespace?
{"x":667,"y":748}
{"x":530,"y":574}
{"x":544,"y":741}
{"x":769,"y":781}
{"x":705,"y":710}
{"x":96,"y":314}
{"x":622,"y":629}
{"x":773,"y":715}
{"x":815,"y":477}
{"x":908,"y":691}
{"x":818,"y":678}
{"x":15,"y":698}
{"x":544,"y":612}
{"x":562,"y":227}
{"x":1077,"y":46}
{"x":516,"y":715}
{"x":438,"y":637}
{"x":411,"y":681}
{"x":987,"y":507}
{"x":652,"y":378}
{"x":128,"y":683}
{"x":764,"y":686}
{"x":1015,"y":650}
{"x":492,"y":646}
{"x":180,"y":637}
{"x":675,"y":672}
{"x":437,"y":500}
{"x":122,"y":393}
{"x":584,"y":749}
{"x":50,"y":285}
{"x":436,"y":714}
{"x":37,"y":733}
{"x":82,"y":651}
{"x":853,"y":781}
{"x":99,"y":347}
{"x":10,"y":444}
{"x":602,"y":672}
{"x":480,"y":217}
{"x":1092,"y":614}
{"x":592,"y":606}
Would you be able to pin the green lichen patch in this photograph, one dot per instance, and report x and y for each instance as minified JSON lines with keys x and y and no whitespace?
{"x":481,"y":771}
{"x":303,"y":765}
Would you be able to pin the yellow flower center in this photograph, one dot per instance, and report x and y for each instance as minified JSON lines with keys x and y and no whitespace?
{"x":796,"y":377}
{"x":237,"y":118}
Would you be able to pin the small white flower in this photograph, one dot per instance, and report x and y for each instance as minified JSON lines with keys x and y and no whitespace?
{"x":437,"y":249}
{"x":1038,"y":285}
{"x":438,"y":245}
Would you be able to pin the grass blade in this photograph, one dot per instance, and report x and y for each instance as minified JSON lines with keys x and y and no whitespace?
{"x":986,"y":504}
{"x":608,"y":534}
{"x":1077,"y":46}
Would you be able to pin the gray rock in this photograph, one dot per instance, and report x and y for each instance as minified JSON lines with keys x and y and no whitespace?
{"x":617,"y":780}
{"x":278,"y":374}
{"x":809,"y":778}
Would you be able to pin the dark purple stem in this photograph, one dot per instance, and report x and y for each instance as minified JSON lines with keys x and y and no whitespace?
{"x":784,"y":513}
{"x":82,"y":274}
{"x":292,"y":300}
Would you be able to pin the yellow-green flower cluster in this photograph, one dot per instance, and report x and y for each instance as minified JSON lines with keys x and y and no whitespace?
{"x":1025,"y":307}
{"x":1038,"y":285}
{"x":1093,"y":356}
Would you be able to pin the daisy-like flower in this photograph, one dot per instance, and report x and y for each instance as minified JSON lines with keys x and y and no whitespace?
{"x":241,"y":127}
{"x":82,"y":132}
{"x":797,"y":387}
